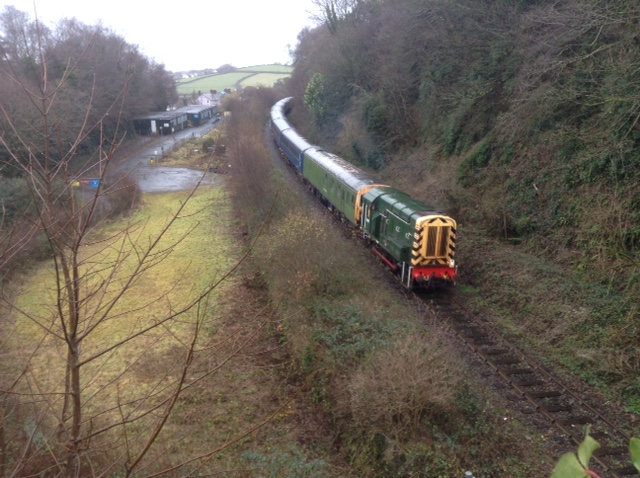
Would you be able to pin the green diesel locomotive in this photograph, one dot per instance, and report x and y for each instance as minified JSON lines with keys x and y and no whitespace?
{"x":416,"y":242}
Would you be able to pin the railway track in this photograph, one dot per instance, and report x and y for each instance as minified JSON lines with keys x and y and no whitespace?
{"x":535,"y":390}
{"x":530,"y":385}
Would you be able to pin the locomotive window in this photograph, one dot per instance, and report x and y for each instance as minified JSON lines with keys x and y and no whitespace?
{"x":383,"y":224}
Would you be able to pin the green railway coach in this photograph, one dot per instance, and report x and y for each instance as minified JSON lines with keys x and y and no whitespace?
{"x":339,"y":183}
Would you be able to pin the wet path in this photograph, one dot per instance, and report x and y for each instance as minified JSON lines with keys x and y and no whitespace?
{"x":155,"y":179}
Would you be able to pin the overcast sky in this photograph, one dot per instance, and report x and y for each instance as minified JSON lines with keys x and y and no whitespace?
{"x":190,"y":34}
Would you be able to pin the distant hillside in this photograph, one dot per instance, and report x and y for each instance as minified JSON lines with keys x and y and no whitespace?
{"x":261,"y":75}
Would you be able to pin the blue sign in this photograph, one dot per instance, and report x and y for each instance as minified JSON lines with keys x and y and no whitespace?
{"x":95,"y":183}
{"x":196,"y":116}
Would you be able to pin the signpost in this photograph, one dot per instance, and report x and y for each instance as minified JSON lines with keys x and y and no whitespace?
{"x":92,"y":183}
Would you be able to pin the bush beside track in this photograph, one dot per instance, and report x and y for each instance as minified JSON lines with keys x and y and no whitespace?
{"x":383,"y":383}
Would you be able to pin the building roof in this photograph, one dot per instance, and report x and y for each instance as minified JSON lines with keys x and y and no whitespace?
{"x":161,"y":115}
{"x":194,"y":108}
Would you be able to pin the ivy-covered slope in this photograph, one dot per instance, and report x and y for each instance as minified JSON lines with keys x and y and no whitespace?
{"x":521,"y":119}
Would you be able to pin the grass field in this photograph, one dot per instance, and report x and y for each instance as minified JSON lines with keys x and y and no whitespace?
{"x":186,"y":268}
{"x":263,"y":75}
{"x":263,"y":79}
{"x":269,"y":68}
{"x":194,"y":252}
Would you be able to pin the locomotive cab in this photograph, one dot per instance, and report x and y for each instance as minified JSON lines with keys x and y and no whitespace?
{"x":413,"y":240}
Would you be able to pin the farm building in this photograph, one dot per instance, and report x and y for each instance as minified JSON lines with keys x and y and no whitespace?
{"x":198,"y":114}
{"x":161,"y":122}
{"x":210,"y":99}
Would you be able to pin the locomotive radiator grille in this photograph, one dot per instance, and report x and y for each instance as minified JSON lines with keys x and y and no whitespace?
{"x":434,"y":241}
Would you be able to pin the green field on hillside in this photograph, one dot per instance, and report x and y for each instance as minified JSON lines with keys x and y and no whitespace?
{"x":263,"y":79}
{"x":262,"y":75}
{"x":268,"y":68}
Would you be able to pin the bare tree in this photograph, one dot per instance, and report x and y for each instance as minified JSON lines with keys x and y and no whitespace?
{"x":61,"y":412}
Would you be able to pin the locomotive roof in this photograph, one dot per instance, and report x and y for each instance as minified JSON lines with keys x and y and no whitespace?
{"x":343,"y":170}
{"x":402,"y":205}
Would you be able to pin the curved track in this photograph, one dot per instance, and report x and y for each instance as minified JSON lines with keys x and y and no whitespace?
{"x":537,"y":390}
{"x":534,"y":388}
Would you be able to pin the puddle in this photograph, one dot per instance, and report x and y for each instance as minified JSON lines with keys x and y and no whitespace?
{"x":160,"y":179}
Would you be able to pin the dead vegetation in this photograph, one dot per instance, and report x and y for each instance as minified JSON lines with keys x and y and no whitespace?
{"x":411,"y":381}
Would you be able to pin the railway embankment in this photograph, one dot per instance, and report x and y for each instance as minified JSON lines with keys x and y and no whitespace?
{"x":385,"y":376}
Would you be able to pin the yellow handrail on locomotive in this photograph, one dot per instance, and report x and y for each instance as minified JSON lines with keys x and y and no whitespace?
{"x":360,"y":194}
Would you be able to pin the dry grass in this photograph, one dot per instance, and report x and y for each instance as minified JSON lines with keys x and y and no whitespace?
{"x":415,"y":379}
{"x":142,"y":372}
{"x":194,"y":154}
{"x":302,"y":257}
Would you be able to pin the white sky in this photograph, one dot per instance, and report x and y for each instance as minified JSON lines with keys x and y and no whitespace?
{"x":190,"y":34}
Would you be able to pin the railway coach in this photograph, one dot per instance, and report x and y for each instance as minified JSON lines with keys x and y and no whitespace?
{"x":339,"y":184}
{"x":416,"y":242}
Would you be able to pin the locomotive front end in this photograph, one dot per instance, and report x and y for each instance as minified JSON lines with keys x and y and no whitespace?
{"x":433,"y":254}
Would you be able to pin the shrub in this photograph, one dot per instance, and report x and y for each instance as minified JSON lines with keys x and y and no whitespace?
{"x":20,"y":244}
{"x":315,"y":98}
{"x":122,"y":194}
{"x":250,"y":182}
{"x":474,"y":161}
{"x":401,"y":385}
{"x":208,"y":142}
{"x":15,"y":199}
{"x":348,"y":334}
{"x":304,"y":258}
{"x":291,"y":463}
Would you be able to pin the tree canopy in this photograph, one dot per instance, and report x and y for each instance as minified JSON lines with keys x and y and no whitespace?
{"x":93,"y":65}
